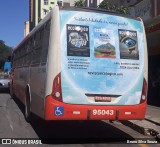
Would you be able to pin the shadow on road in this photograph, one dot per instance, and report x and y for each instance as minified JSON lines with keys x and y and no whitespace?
{"x":76,"y":131}
{"x":4,"y":91}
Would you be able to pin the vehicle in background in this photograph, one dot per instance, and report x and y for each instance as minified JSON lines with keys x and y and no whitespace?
{"x":76,"y":65}
{"x":4,"y":82}
{"x":7,"y":66}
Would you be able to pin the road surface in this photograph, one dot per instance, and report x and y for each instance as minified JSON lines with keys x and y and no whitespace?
{"x":63,"y":133}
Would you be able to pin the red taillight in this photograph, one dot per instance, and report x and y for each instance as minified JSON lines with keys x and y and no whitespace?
{"x":144,"y":91}
{"x":56,"y":91}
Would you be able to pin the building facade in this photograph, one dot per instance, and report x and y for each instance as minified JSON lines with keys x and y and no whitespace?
{"x":92,"y":3}
{"x":149,"y":11}
{"x":26,"y":28}
{"x":39,"y":8}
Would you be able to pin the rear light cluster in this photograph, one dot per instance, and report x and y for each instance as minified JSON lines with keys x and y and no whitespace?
{"x":56,"y":91}
{"x":144,"y":91}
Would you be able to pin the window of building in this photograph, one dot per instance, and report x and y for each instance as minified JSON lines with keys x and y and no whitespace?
{"x":45,"y":2}
{"x":66,"y":4}
{"x":59,"y":3}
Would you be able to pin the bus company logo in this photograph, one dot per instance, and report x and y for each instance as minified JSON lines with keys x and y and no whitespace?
{"x":58,"y":111}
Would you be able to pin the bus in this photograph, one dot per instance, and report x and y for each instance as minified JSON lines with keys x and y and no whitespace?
{"x":82,"y":64}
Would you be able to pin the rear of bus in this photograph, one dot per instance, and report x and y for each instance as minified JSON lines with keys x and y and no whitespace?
{"x":103,"y":68}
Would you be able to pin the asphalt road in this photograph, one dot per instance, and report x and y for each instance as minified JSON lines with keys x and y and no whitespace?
{"x":61,"y":133}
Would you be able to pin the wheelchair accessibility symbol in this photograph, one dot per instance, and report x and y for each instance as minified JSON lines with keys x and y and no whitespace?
{"x":58,"y":111}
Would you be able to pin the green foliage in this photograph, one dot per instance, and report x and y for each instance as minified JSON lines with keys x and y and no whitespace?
{"x":105,"y":4}
{"x":113,"y":8}
{"x":79,"y":3}
{"x":5,"y":51}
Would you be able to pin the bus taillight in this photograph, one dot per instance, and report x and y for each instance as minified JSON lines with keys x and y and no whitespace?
{"x":144,"y":91}
{"x":56,"y":91}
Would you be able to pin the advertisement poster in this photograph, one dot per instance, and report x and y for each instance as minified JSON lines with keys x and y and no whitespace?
{"x":78,"y":40}
{"x":104,"y":43}
{"x":128,"y":44}
{"x":102,"y":58}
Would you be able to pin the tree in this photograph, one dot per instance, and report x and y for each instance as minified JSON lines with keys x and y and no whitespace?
{"x":79,"y":3}
{"x":110,"y":7}
{"x":105,"y":4}
{"x":5,"y":52}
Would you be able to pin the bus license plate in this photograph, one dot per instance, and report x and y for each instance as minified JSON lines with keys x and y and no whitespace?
{"x":102,"y":112}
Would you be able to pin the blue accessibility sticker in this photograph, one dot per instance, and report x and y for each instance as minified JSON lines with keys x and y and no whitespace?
{"x":58,"y":111}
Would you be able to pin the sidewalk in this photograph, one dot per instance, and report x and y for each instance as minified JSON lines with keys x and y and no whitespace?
{"x":150,"y":125}
{"x":153,"y":115}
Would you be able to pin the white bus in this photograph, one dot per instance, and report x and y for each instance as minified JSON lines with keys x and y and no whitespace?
{"x":82,"y":64}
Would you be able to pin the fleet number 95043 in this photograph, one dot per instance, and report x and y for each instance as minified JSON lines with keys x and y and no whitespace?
{"x":103,"y":112}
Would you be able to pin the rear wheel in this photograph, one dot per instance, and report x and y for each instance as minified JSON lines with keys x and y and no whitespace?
{"x":11,"y":89}
{"x":27,"y":107}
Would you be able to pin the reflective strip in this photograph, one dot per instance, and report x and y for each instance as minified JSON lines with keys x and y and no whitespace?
{"x":127,"y":113}
{"x":76,"y":112}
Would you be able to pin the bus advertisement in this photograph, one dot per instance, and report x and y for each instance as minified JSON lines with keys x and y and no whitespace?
{"x":96,"y":68}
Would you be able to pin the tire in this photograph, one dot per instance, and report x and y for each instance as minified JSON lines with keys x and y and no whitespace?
{"x":158,"y":137}
{"x":27,"y":107}
{"x":11,"y":90}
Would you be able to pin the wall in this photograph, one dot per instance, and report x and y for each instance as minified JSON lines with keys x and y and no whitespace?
{"x":26,"y":28}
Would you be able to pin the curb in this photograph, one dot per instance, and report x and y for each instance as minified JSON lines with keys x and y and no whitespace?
{"x":152,"y":121}
{"x":134,"y":127}
{"x":155,"y":107}
{"x":142,"y":130}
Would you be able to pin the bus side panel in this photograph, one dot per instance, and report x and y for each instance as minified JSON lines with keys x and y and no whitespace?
{"x":23,"y":81}
{"x":15,"y":78}
{"x":37,"y":87}
{"x":20,"y":80}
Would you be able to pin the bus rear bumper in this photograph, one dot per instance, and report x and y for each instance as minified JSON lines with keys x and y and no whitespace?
{"x":55,"y":110}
